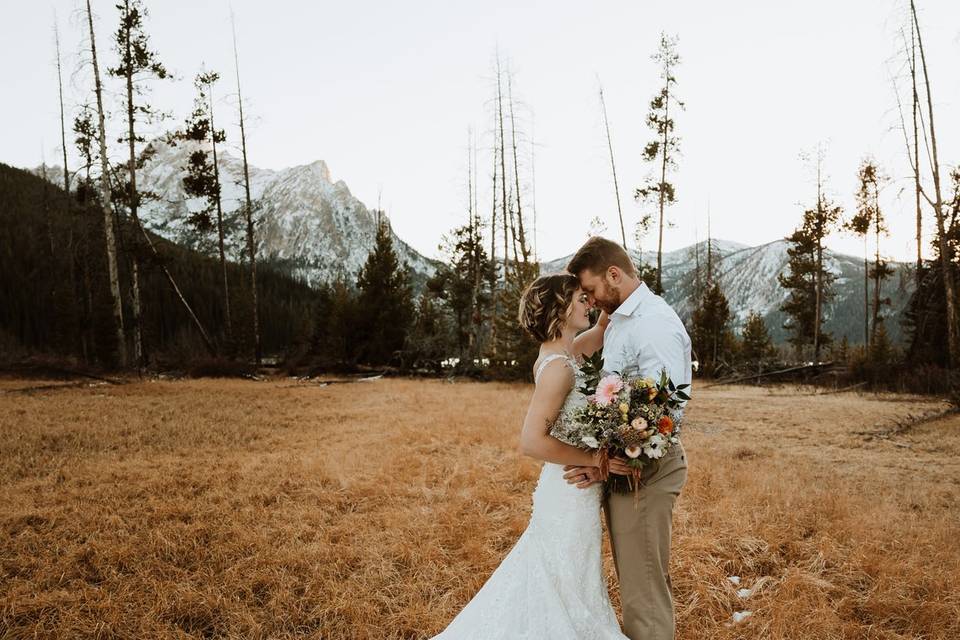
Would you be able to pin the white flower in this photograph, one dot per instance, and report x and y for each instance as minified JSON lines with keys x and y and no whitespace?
{"x":654,"y":447}
{"x":590,"y":441}
{"x":633,"y":451}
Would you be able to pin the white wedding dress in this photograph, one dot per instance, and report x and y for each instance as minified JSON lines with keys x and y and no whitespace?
{"x":550,"y":586}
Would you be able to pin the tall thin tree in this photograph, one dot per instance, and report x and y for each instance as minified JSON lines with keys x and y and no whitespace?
{"x":135,"y":60}
{"x":106,"y":201}
{"x":494,"y":284}
{"x":137,"y":64}
{"x":67,"y":200}
{"x":613,"y":168}
{"x":211,"y":78}
{"x":533,"y":192}
{"x":248,"y":206}
{"x":821,"y":222}
{"x":859,"y":224}
{"x":203,"y":176}
{"x":505,"y":214}
{"x":665,"y":145}
{"x":915,"y":98}
{"x":522,"y":237}
{"x":63,"y":119}
{"x":949,"y":284}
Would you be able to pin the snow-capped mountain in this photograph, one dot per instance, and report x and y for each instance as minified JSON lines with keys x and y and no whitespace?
{"x":307,"y":223}
{"x":748,"y":277}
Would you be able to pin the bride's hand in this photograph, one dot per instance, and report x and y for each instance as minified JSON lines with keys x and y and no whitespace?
{"x":581,"y":477}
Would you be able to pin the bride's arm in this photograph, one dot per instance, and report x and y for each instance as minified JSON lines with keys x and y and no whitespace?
{"x":590,"y":341}
{"x":555,"y":383}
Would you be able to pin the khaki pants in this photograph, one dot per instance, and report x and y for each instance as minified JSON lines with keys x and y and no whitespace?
{"x":640,"y":536}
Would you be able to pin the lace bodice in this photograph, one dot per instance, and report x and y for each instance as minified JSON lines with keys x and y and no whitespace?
{"x":573,"y":400}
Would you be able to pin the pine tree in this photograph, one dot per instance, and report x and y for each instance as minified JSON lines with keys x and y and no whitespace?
{"x":664,"y":147}
{"x":880,"y":354}
{"x":455,"y":285}
{"x":428,"y":342}
{"x":859,"y":224}
{"x":756,"y":346}
{"x":809,"y":281}
{"x":333,"y":343}
{"x":203,"y":176}
{"x":868,"y":201}
{"x":385,"y":302}
{"x":800,"y":281}
{"x":712,"y":339}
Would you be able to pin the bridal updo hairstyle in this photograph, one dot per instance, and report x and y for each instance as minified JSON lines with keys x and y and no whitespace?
{"x":544,"y":305}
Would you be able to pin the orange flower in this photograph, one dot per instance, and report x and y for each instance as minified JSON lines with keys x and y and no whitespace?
{"x":652,"y":393}
{"x":665,"y":425}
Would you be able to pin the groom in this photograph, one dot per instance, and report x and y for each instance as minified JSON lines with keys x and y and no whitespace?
{"x":645,"y":335}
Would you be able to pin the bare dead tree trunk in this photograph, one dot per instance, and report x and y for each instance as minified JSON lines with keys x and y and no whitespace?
{"x":866,"y":294}
{"x":68,"y":209}
{"x":513,"y":235}
{"x":876,"y":262}
{"x":137,"y":313}
{"x":105,"y":197}
{"x":251,"y":241}
{"x":220,"y":243}
{"x":503,"y":172}
{"x":494,"y":285}
{"x":134,"y":198}
{"x":473,"y":239}
{"x":63,"y":125}
{"x":524,"y":249}
{"x":46,"y":207}
{"x":663,"y":181}
{"x":477,"y":312}
{"x":697,"y":291}
{"x":533,"y":194}
{"x":953,"y":340}
{"x":613,"y":168}
{"x":916,"y":150}
{"x":819,"y":275}
{"x":709,"y":251}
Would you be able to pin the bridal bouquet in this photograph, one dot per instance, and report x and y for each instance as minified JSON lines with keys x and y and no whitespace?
{"x":636,"y":417}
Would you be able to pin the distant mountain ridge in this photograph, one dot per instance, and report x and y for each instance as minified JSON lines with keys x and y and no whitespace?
{"x":315,"y":229}
{"x":308,"y":225}
{"x":748,"y":276}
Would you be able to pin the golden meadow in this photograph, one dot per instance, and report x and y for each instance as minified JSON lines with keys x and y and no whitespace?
{"x":284,"y":509}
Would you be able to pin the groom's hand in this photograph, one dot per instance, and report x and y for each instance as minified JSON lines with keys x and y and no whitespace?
{"x":620,"y":467}
{"x":581,"y":477}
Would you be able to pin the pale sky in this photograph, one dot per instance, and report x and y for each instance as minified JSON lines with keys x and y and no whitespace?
{"x":384,"y":92}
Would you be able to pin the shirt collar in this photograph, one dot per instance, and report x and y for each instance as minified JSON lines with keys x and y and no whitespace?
{"x":628,"y":306}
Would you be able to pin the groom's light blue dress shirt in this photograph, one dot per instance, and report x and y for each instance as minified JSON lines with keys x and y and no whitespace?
{"x":645,"y":336}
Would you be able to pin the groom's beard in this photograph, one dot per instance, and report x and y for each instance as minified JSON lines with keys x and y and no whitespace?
{"x":610,"y":301}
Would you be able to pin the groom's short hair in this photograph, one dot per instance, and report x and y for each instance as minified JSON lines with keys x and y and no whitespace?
{"x":599,"y":254}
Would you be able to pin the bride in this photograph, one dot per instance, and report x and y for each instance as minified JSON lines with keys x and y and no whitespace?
{"x":551,"y":583}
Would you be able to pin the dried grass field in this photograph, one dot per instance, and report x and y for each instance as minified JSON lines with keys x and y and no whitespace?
{"x":283,"y":509}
